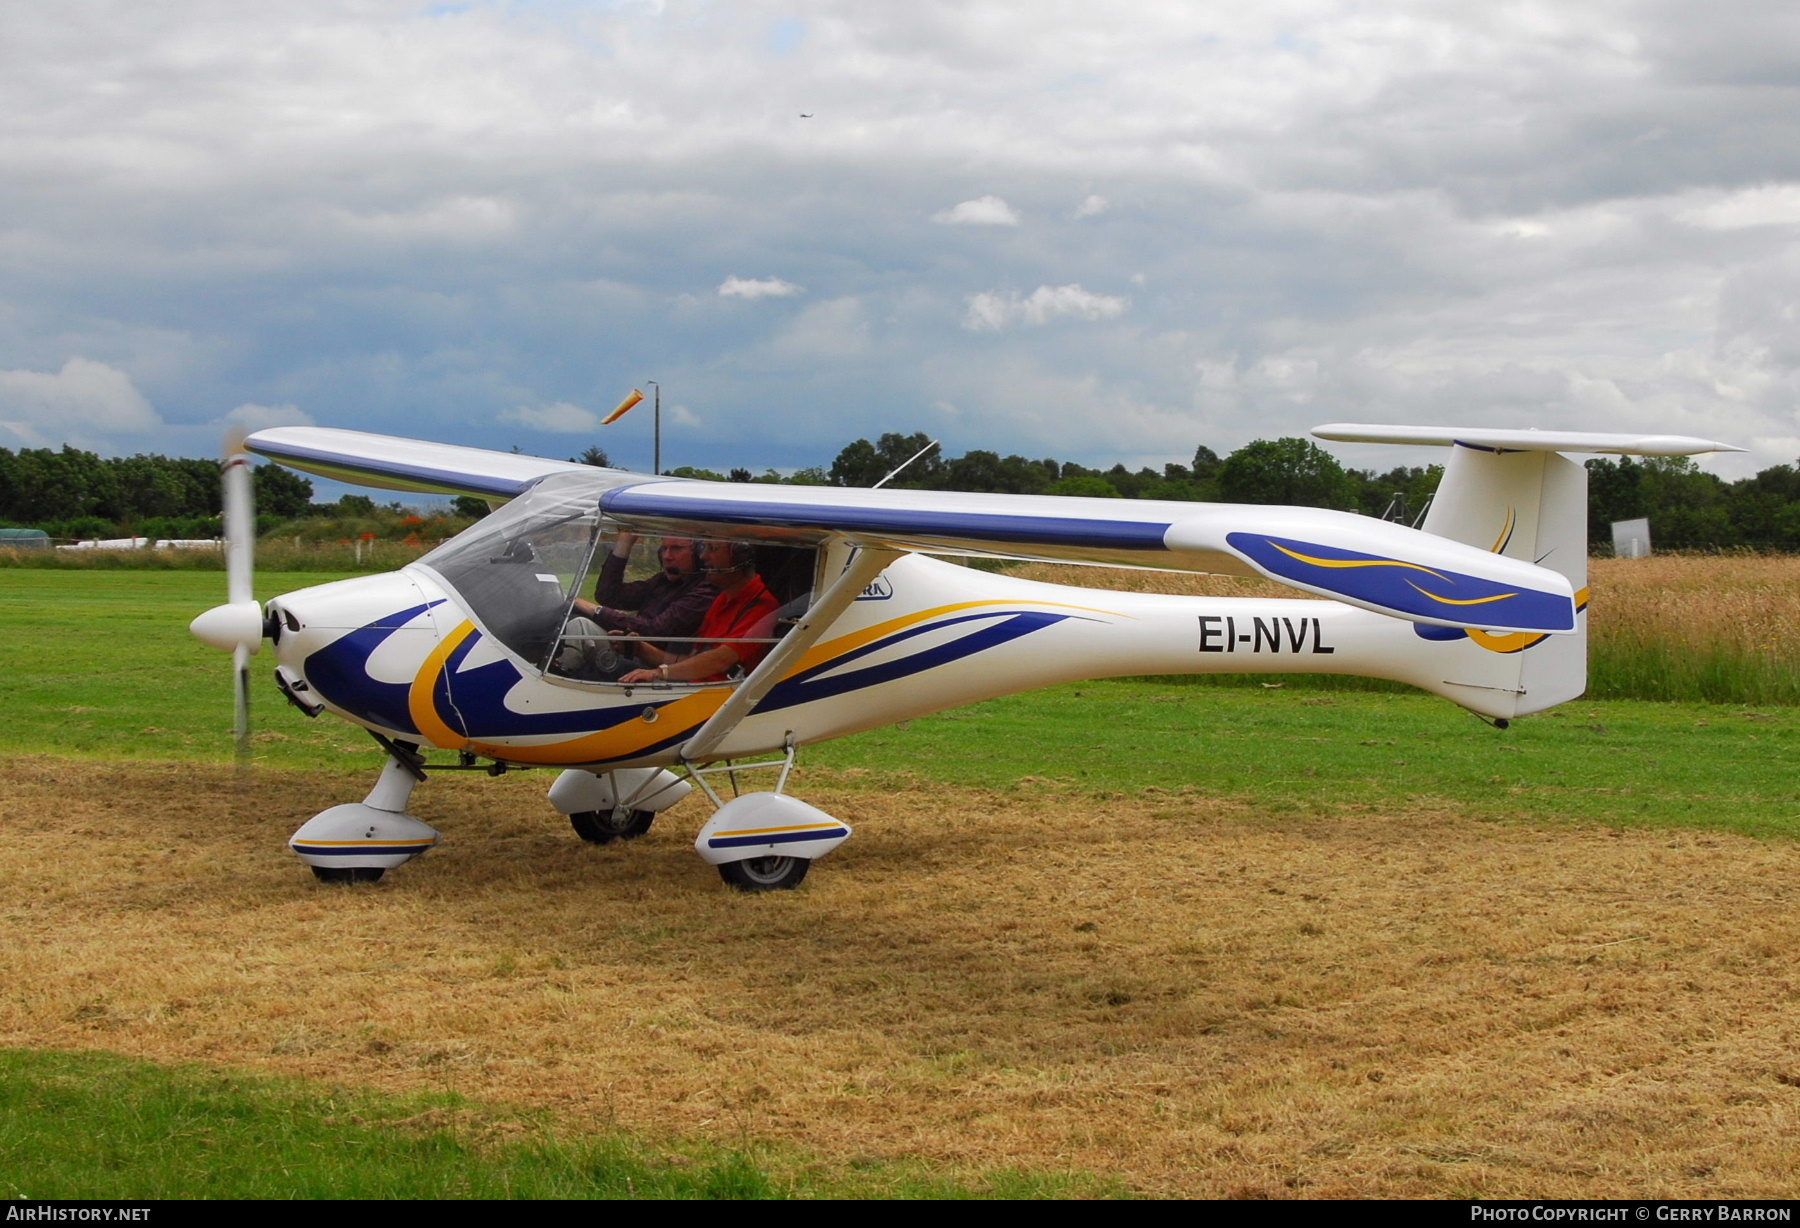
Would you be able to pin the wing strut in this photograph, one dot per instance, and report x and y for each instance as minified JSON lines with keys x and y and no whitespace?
{"x":861,"y":571}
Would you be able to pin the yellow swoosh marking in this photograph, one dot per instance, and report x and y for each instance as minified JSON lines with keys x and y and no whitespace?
{"x":1464,"y":600}
{"x":626,"y":738}
{"x":1505,"y":531}
{"x":373,"y":844}
{"x":1510,"y":641}
{"x":824,"y":651}
{"x":772,"y":831}
{"x":1307,"y":558}
{"x":418,"y":699}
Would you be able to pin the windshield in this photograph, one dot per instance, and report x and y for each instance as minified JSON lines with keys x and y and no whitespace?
{"x":519,"y":570}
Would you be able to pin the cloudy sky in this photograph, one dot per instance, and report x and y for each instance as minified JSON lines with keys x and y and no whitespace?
{"x":1049,"y":228}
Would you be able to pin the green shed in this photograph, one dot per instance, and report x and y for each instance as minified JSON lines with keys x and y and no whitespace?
{"x":24,"y":539}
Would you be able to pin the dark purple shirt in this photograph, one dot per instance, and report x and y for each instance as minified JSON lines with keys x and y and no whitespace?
{"x":664,"y":606}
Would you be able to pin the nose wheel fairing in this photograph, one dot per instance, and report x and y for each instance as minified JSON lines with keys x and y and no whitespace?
{"x":375,"y":834}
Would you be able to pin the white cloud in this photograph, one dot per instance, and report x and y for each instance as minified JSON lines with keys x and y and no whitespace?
{"x":1766,"y":206}
{"x":459,"y":219}
{"x":1093,"y":206}
{"x":982,"y":211}
{"x":558,"y":418}
{"x":993,"y":311}
{"x":254,"y":417}
{"x":86,"y":401}
{"x":768,"y":287}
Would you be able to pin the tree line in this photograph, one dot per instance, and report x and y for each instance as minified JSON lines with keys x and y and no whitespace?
{"x":74,"y":493}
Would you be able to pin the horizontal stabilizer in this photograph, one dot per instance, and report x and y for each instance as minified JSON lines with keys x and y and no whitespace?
{"x":1522,"y":441}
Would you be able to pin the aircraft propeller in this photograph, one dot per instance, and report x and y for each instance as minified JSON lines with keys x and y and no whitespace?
{"x":237,"y":626}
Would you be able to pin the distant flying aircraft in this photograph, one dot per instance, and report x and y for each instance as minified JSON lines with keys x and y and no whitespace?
{"x":458,"y":652}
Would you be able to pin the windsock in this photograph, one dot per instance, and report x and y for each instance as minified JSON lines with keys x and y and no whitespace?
{"x":624,"y":405}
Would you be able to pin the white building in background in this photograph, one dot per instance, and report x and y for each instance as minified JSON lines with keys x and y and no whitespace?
{"x":1631,"y":539}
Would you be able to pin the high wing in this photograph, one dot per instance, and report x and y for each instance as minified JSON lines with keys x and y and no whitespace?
{"x":1370,"y":563}
{"x":391,"y":463}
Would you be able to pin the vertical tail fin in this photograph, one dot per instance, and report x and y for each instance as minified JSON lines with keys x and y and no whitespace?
{"x":1514,"y":493}
{"x":1530,"y":506}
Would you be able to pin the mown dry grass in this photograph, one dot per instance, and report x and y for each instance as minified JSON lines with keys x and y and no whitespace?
{"x":1196,"y":997}
{"x":1714,"y":628}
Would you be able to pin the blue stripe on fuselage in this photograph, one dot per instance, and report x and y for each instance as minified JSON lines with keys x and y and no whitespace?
{"x":473,"y":702}
{"x":808,"y":687}
{"x":339,"y":672}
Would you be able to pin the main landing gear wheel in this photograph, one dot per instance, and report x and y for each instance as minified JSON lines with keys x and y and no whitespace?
{"x":605,"y":826}
{"x":765,"y":873}
{"x":343,"y":875}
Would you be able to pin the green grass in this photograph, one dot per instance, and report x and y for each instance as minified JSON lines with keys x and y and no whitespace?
{"x":96,"y":1125}
{"x":100,"y":663}
{"x":1641,"y":668}
{"x":1288,"y":748}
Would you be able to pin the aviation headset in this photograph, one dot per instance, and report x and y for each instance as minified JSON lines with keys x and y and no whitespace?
{"x":743,"y":554}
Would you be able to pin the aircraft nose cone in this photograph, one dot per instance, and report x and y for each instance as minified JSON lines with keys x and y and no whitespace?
{"x":226,"y":627}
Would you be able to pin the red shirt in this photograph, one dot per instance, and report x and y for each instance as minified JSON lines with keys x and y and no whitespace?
{"x":734,"y":614}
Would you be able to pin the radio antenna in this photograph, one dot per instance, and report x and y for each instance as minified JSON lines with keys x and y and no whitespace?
{"x":903,"y":464}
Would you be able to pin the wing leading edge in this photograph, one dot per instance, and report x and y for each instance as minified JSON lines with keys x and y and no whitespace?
{"x":388,"y":462}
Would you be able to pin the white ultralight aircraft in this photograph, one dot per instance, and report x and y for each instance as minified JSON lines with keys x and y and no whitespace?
{"x":459,"y":651}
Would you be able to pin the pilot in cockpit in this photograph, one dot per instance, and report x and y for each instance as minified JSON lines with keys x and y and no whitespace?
{"x":670,"y":603}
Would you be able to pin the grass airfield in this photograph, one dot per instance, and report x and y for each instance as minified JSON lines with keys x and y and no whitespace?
{"x":1121,"y":937}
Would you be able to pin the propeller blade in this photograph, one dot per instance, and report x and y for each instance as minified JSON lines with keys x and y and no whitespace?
{"x":240,"y":548}
{"x":240,"y":520}
{"x":240,"y":662}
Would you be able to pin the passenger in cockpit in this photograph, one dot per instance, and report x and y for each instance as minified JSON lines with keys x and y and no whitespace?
{"x":670,"y":603}
{"x":743,"y":602}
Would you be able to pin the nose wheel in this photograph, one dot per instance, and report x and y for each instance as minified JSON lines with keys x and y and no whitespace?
{"x":345,"y":875}
{"x":765,"y":873}
{"x":605,"y":826}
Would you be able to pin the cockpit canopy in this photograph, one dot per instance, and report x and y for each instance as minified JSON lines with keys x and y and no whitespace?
{"x":519,"y":571}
